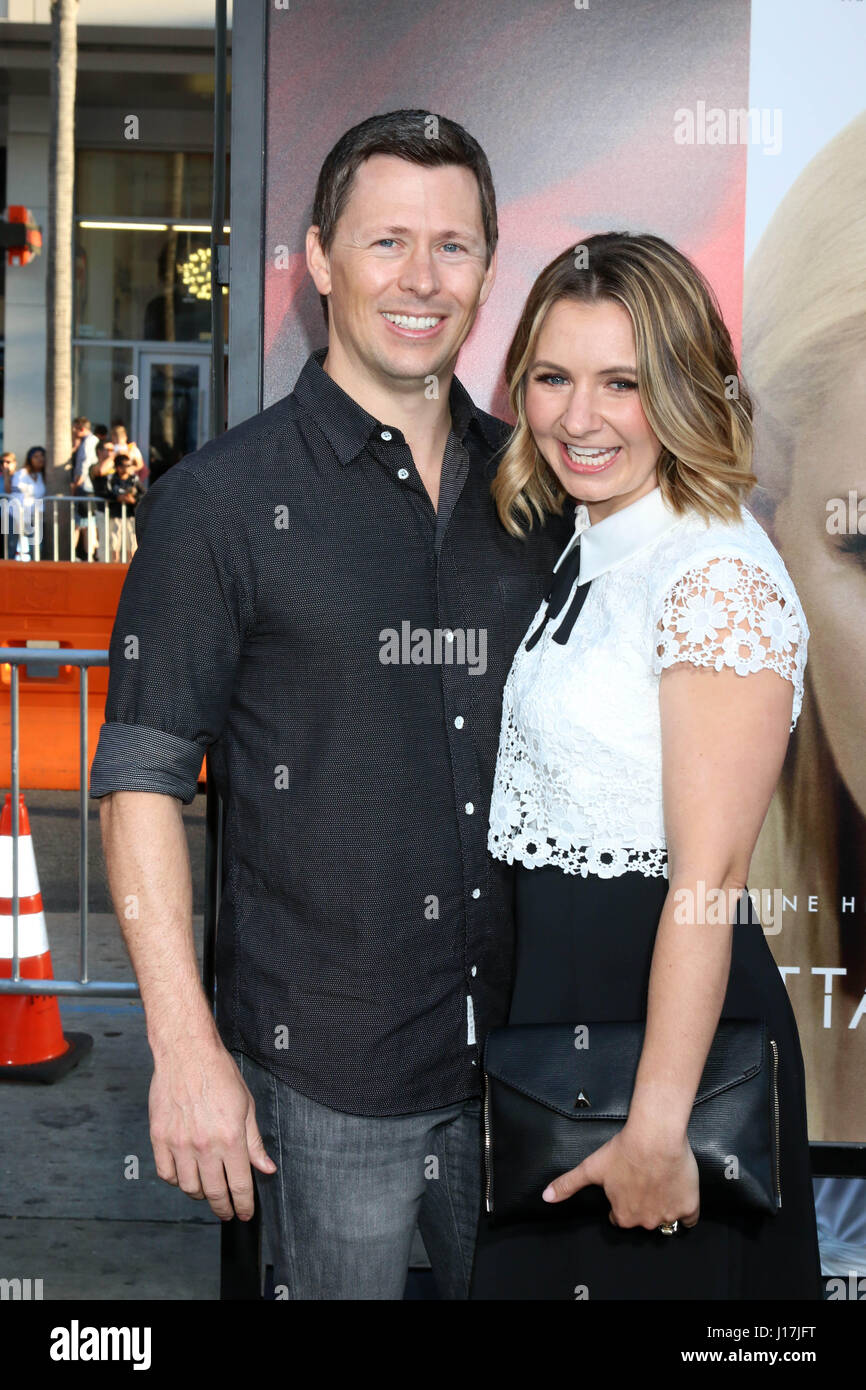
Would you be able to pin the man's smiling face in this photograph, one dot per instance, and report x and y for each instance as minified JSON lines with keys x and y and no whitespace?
{"x":406,"y":269}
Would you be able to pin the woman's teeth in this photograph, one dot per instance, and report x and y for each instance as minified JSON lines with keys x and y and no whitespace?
{"x":591,"y":457}
{"x":410,"y":321}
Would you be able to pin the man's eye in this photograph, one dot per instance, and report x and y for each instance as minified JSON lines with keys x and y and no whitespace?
{"x":454,"y":243}
{"x":383,"y":239}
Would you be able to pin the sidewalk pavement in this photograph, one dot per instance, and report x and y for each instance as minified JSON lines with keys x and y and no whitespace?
{"x":70,"y":1214}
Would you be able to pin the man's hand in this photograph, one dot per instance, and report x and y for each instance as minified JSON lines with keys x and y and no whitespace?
{"x":203,"y":1128}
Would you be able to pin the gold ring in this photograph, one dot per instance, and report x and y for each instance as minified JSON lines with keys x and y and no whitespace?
{"x":669,"y":1228}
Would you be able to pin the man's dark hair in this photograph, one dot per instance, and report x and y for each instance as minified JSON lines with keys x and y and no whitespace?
{"x":420,"y":137}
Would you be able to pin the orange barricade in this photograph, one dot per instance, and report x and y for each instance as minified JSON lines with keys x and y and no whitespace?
{"x":73,"y":604}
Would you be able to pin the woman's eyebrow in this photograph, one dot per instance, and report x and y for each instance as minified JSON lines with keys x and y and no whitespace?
{"x":602,"y":371}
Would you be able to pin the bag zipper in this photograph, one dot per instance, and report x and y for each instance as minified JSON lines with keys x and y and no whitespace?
{"x":487,"y":1173}
{"x":776,"y":1116}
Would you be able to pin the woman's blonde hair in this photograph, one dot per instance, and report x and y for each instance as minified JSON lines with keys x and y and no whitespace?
{"x":691,"y":392}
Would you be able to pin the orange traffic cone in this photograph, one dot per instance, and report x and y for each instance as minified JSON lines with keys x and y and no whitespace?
{"x":33,"y":1046}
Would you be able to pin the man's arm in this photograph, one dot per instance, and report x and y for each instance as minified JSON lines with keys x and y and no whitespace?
{"x":202,"y":1116}
{"x":173,"y":658}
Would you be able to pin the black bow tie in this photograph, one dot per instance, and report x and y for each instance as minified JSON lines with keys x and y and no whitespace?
{"x":560,"y":588}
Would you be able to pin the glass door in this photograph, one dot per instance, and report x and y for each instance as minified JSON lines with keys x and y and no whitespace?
{"x":174,"y":407}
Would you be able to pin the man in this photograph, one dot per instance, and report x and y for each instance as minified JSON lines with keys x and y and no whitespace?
{"x":84,"y":445}
{"x":122,"y":486}
{"x":340,"y":645}
{"x":100,"y":474}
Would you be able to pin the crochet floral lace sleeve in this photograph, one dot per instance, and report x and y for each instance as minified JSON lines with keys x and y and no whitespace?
{"x":730,"y":612}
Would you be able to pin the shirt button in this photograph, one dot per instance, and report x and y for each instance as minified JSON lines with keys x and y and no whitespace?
{"x":476,"y":892}
{"x":469,"y":808}
{"x":458,"y":722}
{"x":386,"y":434}
{"x":474,"y":970}
{"x":449,"y":635}
{"x":403,"y":473}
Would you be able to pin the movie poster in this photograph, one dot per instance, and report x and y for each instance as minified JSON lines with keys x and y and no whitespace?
{"x":640,"y":116}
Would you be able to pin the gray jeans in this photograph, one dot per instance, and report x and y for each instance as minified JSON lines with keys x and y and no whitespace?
{"x":340,"y":1211}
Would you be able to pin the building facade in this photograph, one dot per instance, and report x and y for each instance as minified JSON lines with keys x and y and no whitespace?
{"x":143,"y":176}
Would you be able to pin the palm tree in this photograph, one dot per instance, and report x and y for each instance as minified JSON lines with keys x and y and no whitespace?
{"x":61,"y":179}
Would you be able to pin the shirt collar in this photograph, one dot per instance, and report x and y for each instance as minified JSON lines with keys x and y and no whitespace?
{"x":348,"y":427}
{"x":610,"y":542}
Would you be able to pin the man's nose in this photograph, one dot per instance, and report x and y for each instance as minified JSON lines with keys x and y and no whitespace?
{"x":420,"y":272}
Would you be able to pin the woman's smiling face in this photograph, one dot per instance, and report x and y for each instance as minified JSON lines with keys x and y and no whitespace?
{"x":829,"y":567}
{"x":581,"y":391}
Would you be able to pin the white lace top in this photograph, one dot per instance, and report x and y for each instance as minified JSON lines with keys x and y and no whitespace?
{"x":579,"y":774}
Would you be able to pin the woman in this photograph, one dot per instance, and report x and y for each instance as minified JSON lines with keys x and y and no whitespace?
{"x":645,"y":721}
{"x":27,"y":486}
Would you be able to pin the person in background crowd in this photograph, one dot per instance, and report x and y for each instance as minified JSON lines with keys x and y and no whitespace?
{"x":122,"y":485}
{"x":130,"y":448}
{"x":101,"y":432}
{"x":27,"y":485}
{"x":84,"y":443}
{"x":9,"y":464}
{"x":100,"y":472}
{"x":102,"y":468}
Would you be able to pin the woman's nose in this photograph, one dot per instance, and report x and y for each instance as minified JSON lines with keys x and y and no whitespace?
{"x":581,"y":416}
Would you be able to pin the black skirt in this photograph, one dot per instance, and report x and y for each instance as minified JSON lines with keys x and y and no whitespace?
{"x":584,"y":950}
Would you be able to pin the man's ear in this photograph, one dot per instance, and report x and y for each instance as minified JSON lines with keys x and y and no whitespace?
{"x":489,"y":278}
{"x":317,"y":262}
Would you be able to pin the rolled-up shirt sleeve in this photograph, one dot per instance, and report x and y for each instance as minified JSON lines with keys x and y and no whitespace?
{"x":175,"y":644}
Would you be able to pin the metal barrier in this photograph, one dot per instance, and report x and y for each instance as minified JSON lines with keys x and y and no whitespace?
{"x":17,"y":657}
{"x":24,"y":519}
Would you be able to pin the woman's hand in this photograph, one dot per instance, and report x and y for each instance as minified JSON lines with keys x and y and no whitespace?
{"x":647,"y":1179}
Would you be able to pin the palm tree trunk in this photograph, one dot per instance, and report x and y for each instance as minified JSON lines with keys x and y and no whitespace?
{"x":61,"y":180}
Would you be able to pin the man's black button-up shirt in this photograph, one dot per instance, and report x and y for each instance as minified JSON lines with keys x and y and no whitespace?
{"x":298,"y":607}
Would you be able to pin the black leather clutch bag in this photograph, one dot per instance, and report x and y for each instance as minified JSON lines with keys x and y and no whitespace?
{"x":555,"y":1092}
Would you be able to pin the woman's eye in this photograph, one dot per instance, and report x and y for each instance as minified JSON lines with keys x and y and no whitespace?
{"x":551,"y":377}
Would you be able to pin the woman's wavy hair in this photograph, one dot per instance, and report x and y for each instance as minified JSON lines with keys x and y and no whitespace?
{"x":690,"y":388}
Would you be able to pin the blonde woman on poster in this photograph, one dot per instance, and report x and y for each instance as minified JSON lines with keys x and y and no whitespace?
{"x":804,"y":354}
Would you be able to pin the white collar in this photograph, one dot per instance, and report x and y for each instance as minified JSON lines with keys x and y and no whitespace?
{"x":620,"y":535}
